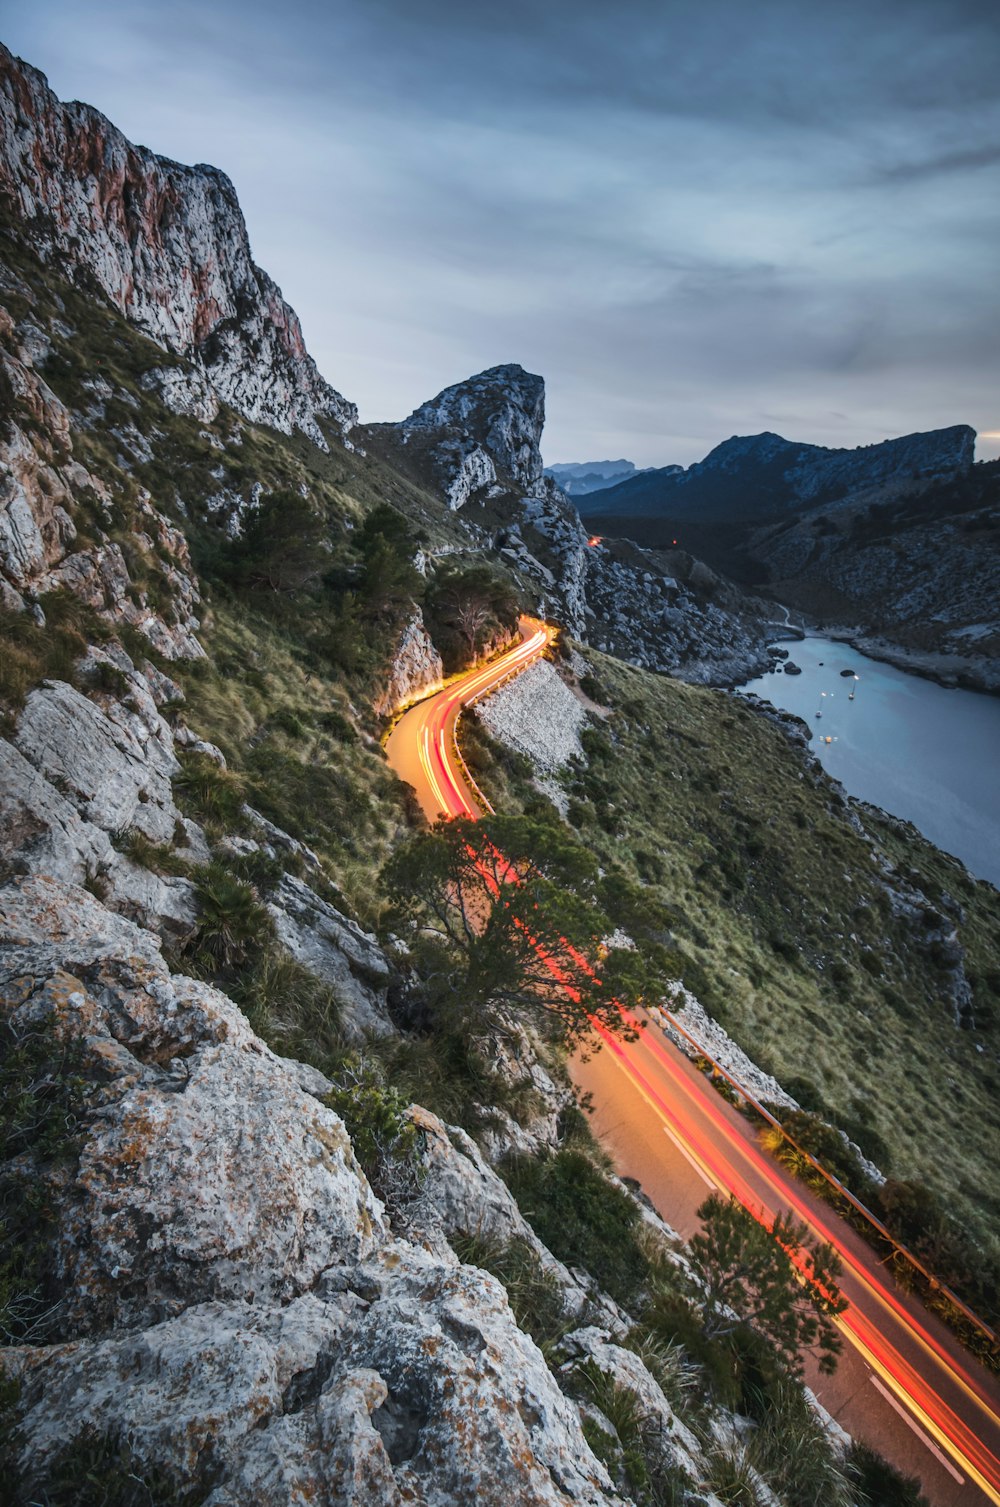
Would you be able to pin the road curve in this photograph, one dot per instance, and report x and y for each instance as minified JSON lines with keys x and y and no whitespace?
{"x":904,"y":1384}
{"x":421,"y":747}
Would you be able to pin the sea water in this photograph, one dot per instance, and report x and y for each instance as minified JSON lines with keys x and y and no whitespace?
{"x":919,"y":750}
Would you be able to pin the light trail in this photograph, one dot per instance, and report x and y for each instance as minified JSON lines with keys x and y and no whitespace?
{"x":421,"y":749}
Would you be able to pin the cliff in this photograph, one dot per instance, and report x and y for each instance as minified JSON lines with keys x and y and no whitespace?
{"x":477,"y":446}
{"x":168,"y":247}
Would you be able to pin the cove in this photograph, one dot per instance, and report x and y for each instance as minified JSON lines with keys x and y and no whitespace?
{"x":919,"y":750}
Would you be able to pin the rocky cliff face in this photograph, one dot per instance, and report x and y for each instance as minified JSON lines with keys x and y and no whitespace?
{"x":482,"y":432}
{"x":42,"y":486}
{"x":415,"y":668}
{"x":236,"y":1304}
{"x":168,"y":247}
{"x":478,"y":444}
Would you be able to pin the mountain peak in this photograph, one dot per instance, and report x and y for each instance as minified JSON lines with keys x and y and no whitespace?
{"x":484,"y":431}
{"x":168,"y":246}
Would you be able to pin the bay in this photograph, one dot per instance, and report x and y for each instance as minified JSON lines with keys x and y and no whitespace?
{"x":919,"y":750}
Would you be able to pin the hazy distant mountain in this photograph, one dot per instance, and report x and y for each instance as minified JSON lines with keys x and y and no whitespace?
{"x":577,"y":478}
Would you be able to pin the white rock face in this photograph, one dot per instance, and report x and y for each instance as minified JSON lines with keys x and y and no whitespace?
{"x":481,"y":430}
{"x":235,"y":1303}
{"x":675,"y":1444}
{"x":337,"y":951}
{"x":184,"y":390}
{"x":117,"y":763}
{"x":416,"y":667}
{"x":474,"y":471}
{"x":193,"y":1107}
{"x":168,"y":245}
{"x":40,"y":486}
{"x":537,"y":714}
{"x":480,"y":442}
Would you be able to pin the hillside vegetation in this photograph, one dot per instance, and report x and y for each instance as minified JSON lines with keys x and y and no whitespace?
{"x":832,"y":942}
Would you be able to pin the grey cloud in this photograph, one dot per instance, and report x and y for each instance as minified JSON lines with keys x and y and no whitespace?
{"x":667,"y":209}
{"x":963,"y":160}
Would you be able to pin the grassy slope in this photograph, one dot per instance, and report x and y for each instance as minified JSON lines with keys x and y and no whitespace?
{"x":779,"y":902}
{"x":772,"y":896}
{"x":767,"y":886}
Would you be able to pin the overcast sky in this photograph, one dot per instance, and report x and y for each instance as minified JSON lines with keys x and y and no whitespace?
{"x":694,"y":218}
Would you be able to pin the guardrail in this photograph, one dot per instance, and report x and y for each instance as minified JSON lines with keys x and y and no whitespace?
{"x":935,"y":1283}
{"x":481,"y":696}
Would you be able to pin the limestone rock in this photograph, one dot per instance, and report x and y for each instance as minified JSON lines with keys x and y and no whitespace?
{"x":415,"y":667}
{"x":40,"y":488}
{"x":235,"y":1305}
{"x":115,"y":763}
{"x":184,"y":390}
{"x":167,"y":1206}
{"x":674,"y":1443}
{"x":489,"y":423}
{"x":477,"y":444}
{"x":337,"y":951}
{"x":168,"y":246}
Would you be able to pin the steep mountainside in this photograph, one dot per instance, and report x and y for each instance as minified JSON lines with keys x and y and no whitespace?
{"x":753,"y":478}
{"x":285,"y":1218}
{"x":478,"y":443}
{"x":168,"y":247}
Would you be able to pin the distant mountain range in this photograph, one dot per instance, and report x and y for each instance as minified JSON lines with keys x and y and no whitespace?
{"x":757,"y":477}
{"x":898,"y":542}
{"x":578,"y":478}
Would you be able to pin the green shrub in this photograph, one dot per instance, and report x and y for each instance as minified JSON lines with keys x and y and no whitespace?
{"x":101,"y":1469}
{"x":159,"y":858}
{"x":582,"y":1217}
{"x":295,"y":1012}
{"x":879,"y":1484}
{"x":43,"y":1092}
{"x":231,"y":919}
{"x":208,"y":792}
{"x":382,"y":1133}
{"x":534,"y":1294}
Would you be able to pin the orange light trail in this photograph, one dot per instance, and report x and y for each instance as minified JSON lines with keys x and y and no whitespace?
{"x":428,"y":728}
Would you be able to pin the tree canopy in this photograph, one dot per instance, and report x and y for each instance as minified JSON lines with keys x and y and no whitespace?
{"x":780,"y":1282}
{"x":465,"y":607}
{"x":507,"y":922}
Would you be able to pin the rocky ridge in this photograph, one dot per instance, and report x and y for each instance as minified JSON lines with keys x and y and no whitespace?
{"x":269,"y":1335}
{"x":478,"y":444}
{"x":42,"y":487}
{"x":758,"y":476}
{"x":167,"y":246}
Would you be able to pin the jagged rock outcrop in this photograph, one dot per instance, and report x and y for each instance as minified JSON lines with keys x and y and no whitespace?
{"x":83,"y":773}
{"x":41,"y":489}
{"x":415,"y":667}
{"x":80,"y":772}
{"x":481,"y":431}
{"x":235,"y":1304}
{"x":675,"y":616}
{"x":168,"y":246}
{"x":337,"y":951}
{"x":191,"y":1101}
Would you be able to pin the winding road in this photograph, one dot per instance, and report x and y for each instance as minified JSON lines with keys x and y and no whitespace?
{"x":904,"y":1384}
